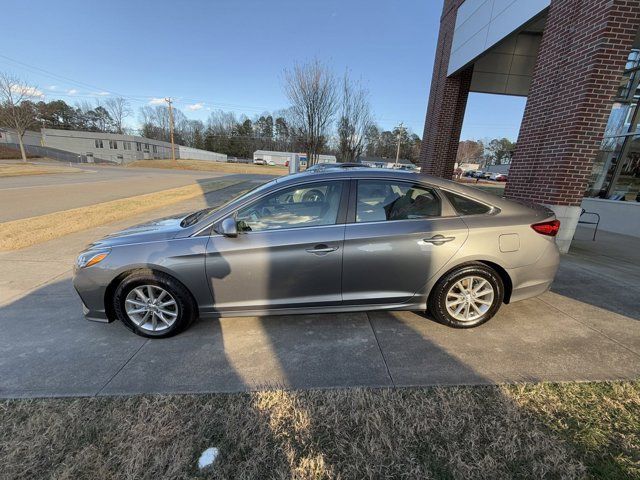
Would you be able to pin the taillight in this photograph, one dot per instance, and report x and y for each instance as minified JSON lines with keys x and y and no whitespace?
{"x":547,"y":228}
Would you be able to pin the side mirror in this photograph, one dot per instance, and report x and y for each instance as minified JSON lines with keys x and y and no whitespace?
{"x":228,"y":227}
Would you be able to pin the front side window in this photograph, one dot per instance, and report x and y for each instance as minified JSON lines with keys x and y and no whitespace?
{"x":98,"y":143}
{"x":388,"y":200}
{"x":113,"y":144}
{"x":309,"y":205}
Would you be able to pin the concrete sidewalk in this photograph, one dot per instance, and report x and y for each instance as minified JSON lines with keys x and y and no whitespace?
{"x":587,"y":328}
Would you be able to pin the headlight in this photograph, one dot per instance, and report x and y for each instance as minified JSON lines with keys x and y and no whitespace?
{"x":92,"y":257}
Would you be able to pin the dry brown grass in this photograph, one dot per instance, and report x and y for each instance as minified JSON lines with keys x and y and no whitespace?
{"x":458,"y":432}
{"x":602,"y":421}
{"x":19,"y":169}
{"x":25,"y":232}
{"x":212,"y":166}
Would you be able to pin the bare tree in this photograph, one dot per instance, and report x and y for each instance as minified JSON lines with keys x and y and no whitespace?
{"x":119,"y":109}
{"x":311,"y":89}
{"x":355,"y":120}
{"x":16,"y":110}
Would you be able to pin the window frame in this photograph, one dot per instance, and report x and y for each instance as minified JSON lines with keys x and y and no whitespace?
{"x":341,"y":217}
{"x":446,"y":209}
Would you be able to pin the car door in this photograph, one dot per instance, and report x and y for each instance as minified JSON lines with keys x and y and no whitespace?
{"x":398,"y":235}
{"x":287,"y":254}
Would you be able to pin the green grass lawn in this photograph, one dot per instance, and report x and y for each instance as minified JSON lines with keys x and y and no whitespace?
{"x":532,"y":431}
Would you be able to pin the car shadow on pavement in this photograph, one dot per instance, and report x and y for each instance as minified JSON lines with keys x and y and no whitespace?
{"x":48,"y":349}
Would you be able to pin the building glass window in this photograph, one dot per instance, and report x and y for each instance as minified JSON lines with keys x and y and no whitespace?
{"x":126,"y":145}
{"x":155,"y":148}
{"x":138,"y":146}
{"x":616,"y":170}
{"x":113,"y":144}
{"x":98,"y":143}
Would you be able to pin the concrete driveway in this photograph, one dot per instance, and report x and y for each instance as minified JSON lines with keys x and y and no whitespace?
{"x":588,"y":328}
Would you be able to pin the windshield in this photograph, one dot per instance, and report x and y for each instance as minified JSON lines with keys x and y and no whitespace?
{"x":195,"y":217}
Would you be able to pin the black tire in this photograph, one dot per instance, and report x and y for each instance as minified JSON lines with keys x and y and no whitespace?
{"x":437,"y":299}
{"x":186,"y":307}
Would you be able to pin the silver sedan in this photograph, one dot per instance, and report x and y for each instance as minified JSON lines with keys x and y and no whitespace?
{"x":342,"y":240}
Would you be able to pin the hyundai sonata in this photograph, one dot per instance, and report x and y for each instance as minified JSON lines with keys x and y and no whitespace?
{"x":337,"y":241}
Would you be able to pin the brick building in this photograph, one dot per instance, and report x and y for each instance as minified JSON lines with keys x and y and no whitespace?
{"x":578,"y":64}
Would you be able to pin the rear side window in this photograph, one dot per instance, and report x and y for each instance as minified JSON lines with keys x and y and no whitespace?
{"x":388,"y":200}
{"x":466,"y":206}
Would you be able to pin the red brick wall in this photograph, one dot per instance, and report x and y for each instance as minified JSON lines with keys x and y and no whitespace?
{"x":581,"y":58}
{"x":447,"y":103}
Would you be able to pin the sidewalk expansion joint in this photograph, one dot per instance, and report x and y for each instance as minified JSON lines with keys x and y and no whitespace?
{"x":121,"y":368}
{"x":384,"y":359}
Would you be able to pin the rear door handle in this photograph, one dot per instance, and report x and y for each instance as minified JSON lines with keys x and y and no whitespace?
{"x":439,"y":239}
{"x":322,"y":249}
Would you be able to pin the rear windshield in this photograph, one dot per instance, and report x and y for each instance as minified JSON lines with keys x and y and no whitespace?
{"x":466,"y":206}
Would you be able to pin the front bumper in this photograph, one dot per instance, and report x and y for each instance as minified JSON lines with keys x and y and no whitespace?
{"x":92,"y":294}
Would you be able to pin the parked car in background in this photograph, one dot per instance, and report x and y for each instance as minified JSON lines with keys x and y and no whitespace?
{"x":259,"y":161}
{"x":498,"y":177}
{"x":341,"y":240}
{"x":271,"y":163}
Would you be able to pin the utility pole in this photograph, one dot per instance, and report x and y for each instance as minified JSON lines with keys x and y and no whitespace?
{"x":173,"y":147}
{"x":400,"y":132}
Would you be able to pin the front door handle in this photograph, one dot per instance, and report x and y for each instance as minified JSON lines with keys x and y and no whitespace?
{"x":439,"y":239}
{"x":322,"y":249}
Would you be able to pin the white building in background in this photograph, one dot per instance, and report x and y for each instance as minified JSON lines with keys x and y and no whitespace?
{"x":111,"y":147}
{"x":120,"y":148}
{"x":283,"y":158}
{"x":188,"y":153}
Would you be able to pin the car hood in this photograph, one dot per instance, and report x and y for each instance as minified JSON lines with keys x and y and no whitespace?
{"x":156,"y":230}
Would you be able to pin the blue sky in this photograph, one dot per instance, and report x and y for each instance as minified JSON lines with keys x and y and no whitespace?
{"x":230,"y":54}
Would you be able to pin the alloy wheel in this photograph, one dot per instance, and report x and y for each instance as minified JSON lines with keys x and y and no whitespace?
{"x":151,"y":308}
{"x":469,"y":298}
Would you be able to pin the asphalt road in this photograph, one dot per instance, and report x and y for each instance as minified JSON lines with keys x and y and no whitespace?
{"x":31,"y":195}
{"x":587,"y":328}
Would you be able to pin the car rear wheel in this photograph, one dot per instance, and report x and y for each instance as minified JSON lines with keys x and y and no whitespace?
{"x":153,"y":305}
{"x":467,"y":296}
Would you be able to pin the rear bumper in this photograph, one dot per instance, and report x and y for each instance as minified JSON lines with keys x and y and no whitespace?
{"x":535,"y":279}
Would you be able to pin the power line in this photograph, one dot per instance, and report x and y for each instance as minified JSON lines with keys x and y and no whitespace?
{"x":132,"y":97}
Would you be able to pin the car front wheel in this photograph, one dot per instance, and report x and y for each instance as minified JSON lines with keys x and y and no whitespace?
{"x":153,"y":305}
{"x":467,"y":297}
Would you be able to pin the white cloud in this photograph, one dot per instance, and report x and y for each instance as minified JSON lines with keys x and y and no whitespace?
{"x":156,"y":101}
{"x":73,"y":91}
{"x":52,"y":87}
{"x":103,"y":94}
{"x":195,"y":106}
{"x":27,"y":91}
